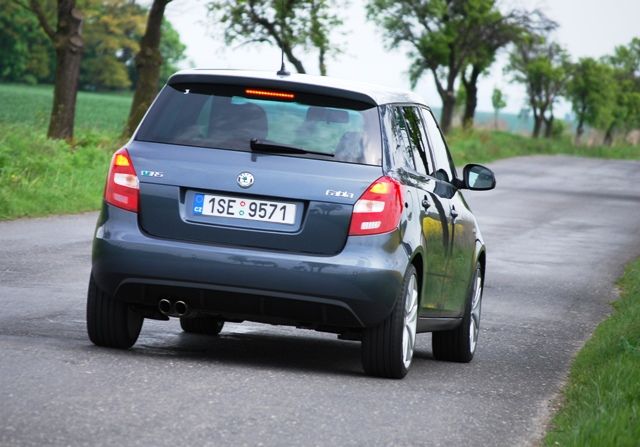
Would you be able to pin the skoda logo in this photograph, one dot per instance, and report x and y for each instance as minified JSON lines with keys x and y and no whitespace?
{"x":245,"y":179}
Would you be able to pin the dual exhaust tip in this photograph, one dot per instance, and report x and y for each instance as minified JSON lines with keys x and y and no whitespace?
{"x":178,"y":309}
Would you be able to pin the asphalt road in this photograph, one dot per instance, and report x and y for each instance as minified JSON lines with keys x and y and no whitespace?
{"x":559,"y":231}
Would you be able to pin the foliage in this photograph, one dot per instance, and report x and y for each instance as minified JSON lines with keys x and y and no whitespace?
{"x":601,"y":404}
{"x":112,"y":31}
{"x":291,"y":25}
{"x":172,"y":50}
{"x":27,"y":54}
{"x":592,"y":92}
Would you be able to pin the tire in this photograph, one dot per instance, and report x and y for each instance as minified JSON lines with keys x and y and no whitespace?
{"x":459,"y":344}
{"x":201,"y":325}
{"x":387,"y":349}
{"x":110,"y":323}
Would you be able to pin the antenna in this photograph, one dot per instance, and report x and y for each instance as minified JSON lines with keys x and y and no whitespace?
{"x":283,"y":70}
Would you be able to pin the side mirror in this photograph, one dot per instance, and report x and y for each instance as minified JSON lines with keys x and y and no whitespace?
{"x":478,"y":178}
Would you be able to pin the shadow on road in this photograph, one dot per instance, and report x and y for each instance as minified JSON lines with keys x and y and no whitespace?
{"x":259,"y":351}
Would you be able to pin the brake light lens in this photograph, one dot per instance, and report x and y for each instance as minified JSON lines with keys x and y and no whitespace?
{"x":123,"y":187}
{"x":378,"y":210}
{"x":269,"y":93}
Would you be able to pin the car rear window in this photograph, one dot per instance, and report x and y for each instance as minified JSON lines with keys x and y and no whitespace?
{"x":229,"y":117}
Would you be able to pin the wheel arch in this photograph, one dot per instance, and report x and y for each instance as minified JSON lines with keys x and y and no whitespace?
{"x":481,"y":257}
{"x":418,"y":263}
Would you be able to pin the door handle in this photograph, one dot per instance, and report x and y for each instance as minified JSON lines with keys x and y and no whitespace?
{"x":425,"y":203}
{"x":454,"y":213}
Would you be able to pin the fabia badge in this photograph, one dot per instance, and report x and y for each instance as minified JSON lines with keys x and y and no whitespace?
{"x":245,"y":179}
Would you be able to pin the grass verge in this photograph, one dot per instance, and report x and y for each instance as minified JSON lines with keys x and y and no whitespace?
{"x":484,"y":146}
{"x":40,"y":176}
{"x":602,"y":398}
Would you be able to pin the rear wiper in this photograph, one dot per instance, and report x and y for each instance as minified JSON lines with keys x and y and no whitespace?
{"x":267,"y":146}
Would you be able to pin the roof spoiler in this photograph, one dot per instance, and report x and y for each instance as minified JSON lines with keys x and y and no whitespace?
{"x":285,"y":84}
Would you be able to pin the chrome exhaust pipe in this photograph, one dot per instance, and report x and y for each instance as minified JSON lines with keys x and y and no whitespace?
{"x":164,"y":305}
{"x":181,"y":308}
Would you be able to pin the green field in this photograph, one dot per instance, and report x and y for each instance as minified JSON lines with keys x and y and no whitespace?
{"x":40,"y":176}
{"x":602,"y":399}
{"x":31,"y":105}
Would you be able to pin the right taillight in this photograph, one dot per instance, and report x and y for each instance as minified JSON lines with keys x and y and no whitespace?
{"x":378,"y":210}
{"x":122,"y":188}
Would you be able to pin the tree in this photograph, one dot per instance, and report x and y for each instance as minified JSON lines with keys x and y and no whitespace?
{"x":626,"y":66}
{"x":322,"y":22}
{"x":542,"y":66}
{"x":27,"y":53}
{"x":441,"y":35}
{"x":67,"y":41}
{"x":592,"y":92}
{"x":112,"y":32}
{"x":172,"y":51}
{"x":287,"y":24}
{"x":148,"y":62}
{"x":498,"y":100}
{"x":495,"y":30}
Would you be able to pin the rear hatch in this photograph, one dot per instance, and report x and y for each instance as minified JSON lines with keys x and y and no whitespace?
{"x":249,"y":166}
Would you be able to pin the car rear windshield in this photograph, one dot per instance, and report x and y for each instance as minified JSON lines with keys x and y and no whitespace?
{"x":229,"y":117}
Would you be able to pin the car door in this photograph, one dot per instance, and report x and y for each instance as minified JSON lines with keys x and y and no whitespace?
{"x":416,"y":164}
{"x":461,"y":224}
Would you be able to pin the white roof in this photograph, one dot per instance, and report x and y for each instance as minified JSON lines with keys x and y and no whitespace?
{"x":379,"y":94}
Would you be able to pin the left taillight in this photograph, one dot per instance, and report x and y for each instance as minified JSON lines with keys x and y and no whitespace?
{"x":379,"y":208}
{"x":123,"y":187}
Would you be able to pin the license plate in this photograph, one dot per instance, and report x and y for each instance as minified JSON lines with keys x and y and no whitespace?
{"x":242,"y":208}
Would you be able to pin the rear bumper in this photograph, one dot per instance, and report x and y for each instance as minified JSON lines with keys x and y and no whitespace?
{"x":355,"y":288}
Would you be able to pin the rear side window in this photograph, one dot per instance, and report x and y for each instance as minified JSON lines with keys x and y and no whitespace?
{"x":397,"y":135}
{"x":229,"y":117}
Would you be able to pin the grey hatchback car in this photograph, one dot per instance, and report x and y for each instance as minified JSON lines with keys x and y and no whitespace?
{"x":290,"y":200}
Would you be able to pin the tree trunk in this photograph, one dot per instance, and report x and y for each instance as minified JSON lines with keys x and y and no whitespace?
{"x":148,"y":62}
{"x":288,"y":51}
{"x":471,"y":102}
{"x":579,"y":130}
{"x":608,"y":136}
{"x":537,"y":125}
{"x":68,"y":45}
{"x":322,"y":65}
{"x":470,"y":106}
{"x":448,"y":106}
{"x":548,"y":126}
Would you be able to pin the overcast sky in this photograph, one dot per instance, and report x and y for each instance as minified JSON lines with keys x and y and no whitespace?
{"x":587,"y":28}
